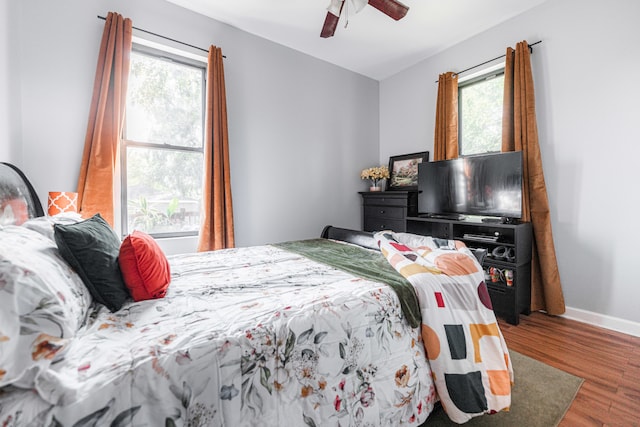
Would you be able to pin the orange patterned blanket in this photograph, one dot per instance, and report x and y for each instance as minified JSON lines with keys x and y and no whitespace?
{"x":467,"y":352}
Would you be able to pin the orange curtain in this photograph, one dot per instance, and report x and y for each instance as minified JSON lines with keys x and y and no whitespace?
{"x":520,"y":133}
{"x":106,"y":118}
{"x":216,"y":231}
{"x":445,"y":144}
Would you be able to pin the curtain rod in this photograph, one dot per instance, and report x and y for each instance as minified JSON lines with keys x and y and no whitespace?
{"x":164,"y":37}
{"x":491,"y":60}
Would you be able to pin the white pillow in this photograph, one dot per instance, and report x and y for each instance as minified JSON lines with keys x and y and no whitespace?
{"x":43,"y":303}
{"x":44,"y":224}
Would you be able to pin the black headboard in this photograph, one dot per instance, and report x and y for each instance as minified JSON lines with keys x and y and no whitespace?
{"x":17,"y":196}
{"x":361,"y":238}
{"x":365,"y":239}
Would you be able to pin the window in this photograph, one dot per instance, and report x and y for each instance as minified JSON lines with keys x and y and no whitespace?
{"x":480,"y":102}
{"x":162,"y":151}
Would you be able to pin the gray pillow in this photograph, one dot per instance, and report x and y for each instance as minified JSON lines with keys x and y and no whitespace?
{"x":91,"y":247}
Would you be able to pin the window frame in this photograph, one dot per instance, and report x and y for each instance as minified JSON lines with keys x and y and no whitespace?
{"x":475,"y":78}
{"x":175,"y":56}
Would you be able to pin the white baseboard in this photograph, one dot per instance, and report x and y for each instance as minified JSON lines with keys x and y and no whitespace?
{"x":604,"y":321}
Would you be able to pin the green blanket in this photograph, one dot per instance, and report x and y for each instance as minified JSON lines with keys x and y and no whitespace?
{"x":362,"y":263}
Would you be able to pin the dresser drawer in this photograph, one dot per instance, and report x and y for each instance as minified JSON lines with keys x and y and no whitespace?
{"x":391,"y":212}
{"x":388,"y":210}
{"x":385,"y":200}
{"x":378,"y":224}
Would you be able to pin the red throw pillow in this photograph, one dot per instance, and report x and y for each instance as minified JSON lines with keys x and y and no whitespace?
{"x":144,"y":267}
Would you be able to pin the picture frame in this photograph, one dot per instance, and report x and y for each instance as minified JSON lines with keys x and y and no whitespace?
{"x":403,"y":171}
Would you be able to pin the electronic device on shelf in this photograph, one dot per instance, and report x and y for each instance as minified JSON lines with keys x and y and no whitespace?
{"x":451,"y":217}
{"x":481,"y":237}
{"x":492,"y":220}
{"x":488,"y":185}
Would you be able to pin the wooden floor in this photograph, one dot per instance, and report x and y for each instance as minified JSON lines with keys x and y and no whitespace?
{"x":608,"y":361}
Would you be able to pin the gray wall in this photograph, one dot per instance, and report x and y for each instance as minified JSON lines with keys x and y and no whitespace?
{"x":4,"y":81}
{"x":300,"y":129}
{"x":587,"y":111}
{"x":9,"y":146}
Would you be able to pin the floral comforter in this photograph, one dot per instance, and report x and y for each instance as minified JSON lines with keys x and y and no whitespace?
{"x":244,"y":337}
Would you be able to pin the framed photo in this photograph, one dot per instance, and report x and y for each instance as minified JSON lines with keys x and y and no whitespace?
{"x":403,"y":171}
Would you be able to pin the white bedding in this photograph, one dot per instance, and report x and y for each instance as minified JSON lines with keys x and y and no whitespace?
{"x":244,"y":337}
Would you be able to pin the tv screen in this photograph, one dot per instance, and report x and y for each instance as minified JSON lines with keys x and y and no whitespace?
{"x":484,"y":185}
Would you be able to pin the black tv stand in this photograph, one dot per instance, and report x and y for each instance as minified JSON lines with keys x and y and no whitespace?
{"x":509,"y":299}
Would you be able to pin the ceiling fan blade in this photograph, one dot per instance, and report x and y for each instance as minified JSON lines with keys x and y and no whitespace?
{"x":333,"y":16}
{"x":330,"y":24}
{"x":392,"y":8}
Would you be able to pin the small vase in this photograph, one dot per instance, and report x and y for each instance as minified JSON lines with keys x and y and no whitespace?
{"x":375,"y":188}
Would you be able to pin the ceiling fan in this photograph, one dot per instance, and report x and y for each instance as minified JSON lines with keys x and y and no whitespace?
{"x":392,"y":8}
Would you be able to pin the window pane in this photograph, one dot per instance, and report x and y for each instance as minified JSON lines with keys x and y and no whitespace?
{"x":480,"y":110}
{"x":164,"y":189}
{"x":164,"y":102}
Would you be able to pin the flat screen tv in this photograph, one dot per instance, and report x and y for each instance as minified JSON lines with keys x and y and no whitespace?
{"x":488,"y":185}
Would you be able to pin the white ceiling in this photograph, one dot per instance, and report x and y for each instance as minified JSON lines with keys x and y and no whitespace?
{"x":372,"y":44}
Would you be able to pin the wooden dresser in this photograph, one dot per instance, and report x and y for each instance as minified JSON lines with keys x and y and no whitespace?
{"x":388,"y":210}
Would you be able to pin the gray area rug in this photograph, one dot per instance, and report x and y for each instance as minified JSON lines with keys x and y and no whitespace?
{"x":540,"y":397}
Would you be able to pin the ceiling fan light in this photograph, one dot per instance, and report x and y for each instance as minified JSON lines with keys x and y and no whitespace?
{"x":335,"y":7}
{"x":358,"y":5}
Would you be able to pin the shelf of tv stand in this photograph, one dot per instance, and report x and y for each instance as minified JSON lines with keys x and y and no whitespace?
{"x":508,"y":301}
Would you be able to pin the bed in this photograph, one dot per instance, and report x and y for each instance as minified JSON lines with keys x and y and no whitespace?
{"x":328,"y":331}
